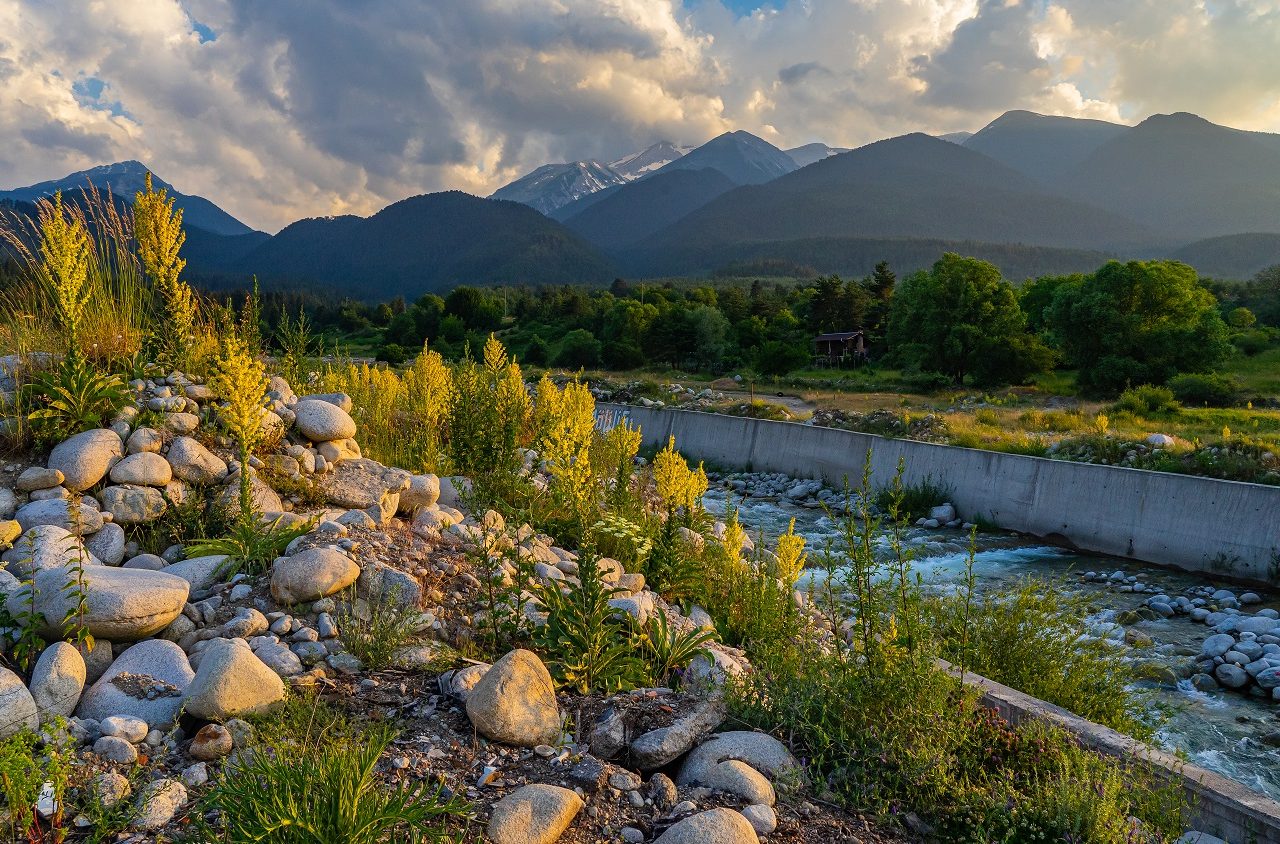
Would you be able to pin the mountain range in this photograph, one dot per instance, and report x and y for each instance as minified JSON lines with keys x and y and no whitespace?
{"x":1034,"y":193}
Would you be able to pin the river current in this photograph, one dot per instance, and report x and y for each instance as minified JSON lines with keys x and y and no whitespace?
{"x":1221,"y":730}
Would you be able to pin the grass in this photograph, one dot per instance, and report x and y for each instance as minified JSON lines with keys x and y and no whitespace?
{"x":374,"y":630}
{"x":312,"y":779}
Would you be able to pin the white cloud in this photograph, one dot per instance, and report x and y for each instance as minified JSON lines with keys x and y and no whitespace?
{"x":319,"y":107}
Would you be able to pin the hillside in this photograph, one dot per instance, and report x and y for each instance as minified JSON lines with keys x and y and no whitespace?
{"x":125,"y":179}
{"x":425,"y":244}
{"x":914,"y":186}
{"x":809,"y":153}
{"x":1040,"y":146}
{"x":1184,"y":176}
{"x":632,"y":212}
{"x":1237,"y":256}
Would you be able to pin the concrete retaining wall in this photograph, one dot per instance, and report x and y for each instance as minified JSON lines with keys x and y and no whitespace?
{"x":1216,"y":805}
{"x":1200,"y":524}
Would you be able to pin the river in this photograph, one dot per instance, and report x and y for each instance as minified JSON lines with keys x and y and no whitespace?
{"x":1218,"y":730}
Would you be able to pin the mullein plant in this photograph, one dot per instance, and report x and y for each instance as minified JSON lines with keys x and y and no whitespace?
{"x":157,"y":228}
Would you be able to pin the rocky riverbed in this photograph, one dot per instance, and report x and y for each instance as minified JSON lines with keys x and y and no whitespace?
{"x":1164,"y":618}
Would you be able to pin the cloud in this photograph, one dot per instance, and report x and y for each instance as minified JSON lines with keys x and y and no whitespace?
{"x":306,"y":107}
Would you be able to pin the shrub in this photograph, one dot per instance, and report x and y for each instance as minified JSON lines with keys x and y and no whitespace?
{"x":250,"y":544}
{"x":322,"y":789}
{"x":908,"y":502}
{"x":24,"y":773}
{"x":579,"y":350}
{"x":620,"y":354}
{"x":1251,"y":343}
{"x":926,"y":382}
{"x":1205,"y":389}
{"x":392,"y":353}
{"x":1146,"y":401}
{"x":775,"y":357}
{"x":537,"y":352}
{"x":666,"y":649}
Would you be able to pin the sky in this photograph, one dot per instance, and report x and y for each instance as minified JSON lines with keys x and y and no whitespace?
{"x":293,"y":108}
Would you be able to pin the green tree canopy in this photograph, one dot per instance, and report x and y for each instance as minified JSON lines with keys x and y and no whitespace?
{"x":963,"y":320}
{"x":1137,"y":323}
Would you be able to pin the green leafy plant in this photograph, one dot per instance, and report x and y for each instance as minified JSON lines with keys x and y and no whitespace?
{"x":668,"y":649}
{"x":373,"y":630}
{"x":28,"y":771}
{"x":909,"y":502}
{"x":74,"y":628}
{"x":297,"y":344}
{"x":250,"y":544}
{"x":589,"y":648}
{"x":321,"y":788}
{"x":72,"y":398}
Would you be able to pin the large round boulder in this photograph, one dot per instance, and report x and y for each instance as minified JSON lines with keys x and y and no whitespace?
{"x":147,"y":681}
{"x":762,"y":752}
{"x":121,"y":605}
{"x":534,"y":814}
{"x":17,"y":707}
{"x":718,"y":826}
{"x":311,"y":575}
{"x":85,"y":458}
{"x":144,"y":468}
{"x":515,"y":702}
{"x":45,"y":547}
{"x":230,"y":682}
{"x":81,"y":520}
{"x":134,"y":505}
{"x":57,"y":681}
{"x":195,"y":464}
{"x":322,"y":421}
{"x":107,"y":544}
{"x":361,"y":483}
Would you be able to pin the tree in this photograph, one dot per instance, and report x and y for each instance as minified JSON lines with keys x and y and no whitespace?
{"x":1137,"y":323}
{"x":1241,"y":318}
{"x":880,"y":286}
{"x":477,"y":309}
{"x":536,"y":353}
{"x":580,"y":349}
{"x":962,"y":319}
{"x":710,"y":330}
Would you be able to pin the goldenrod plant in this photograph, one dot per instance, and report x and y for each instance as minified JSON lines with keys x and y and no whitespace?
{"x":565,"y":446}
{"x":74,"y":396}
{"x":65,"y":250}
{"x":240,"y":384}
{"x":679,"y":488}
{"x":158,"y":231}
{"x":790,"y":556}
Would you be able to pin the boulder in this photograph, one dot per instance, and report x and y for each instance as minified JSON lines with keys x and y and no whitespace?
{"x":85,"y":459}
{"x":515,"y":702}
{"x":342,"y":400}
{"x":144,"y":440}
{"x":1231,"y":676}
{"x":361,"y":483}
{"x":320,"y":421}
{"x":533,"y":814}
{"x":264,"y":498}
{"x":144,"y":468}
{"x":423,"y":491}
{"x":158,"y":802}
{"x":1218,"y":644}
{"x":45,"y":547}
{"x":17,"y":707}
{"x":762,"y":752}
{"x":383,"y":584}
{"x":718,"y":826}
{"x":741,"y":780}
{"x":181,"y":423}
{"x":193,"y":463}
{"x":231,"y":681}
{"x":58,"y":512}
{"x":134,"y":505}
{"x":200,"y":572}
{"x":107,"y":544}
{"x":657,"y":748}
{"x":146,"y":681}
{"x":121,"y":605}
{"x":311,"y":575}
{"x":57,"y":681}
{"x":38,"y":477}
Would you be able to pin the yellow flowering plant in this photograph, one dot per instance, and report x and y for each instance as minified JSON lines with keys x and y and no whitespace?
{"x":158,"y":231}
{"x":65,"y":252}
{"x":240,"y":383}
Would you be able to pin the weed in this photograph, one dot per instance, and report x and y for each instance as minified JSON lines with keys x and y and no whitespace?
{"x":373,"y":630}
{"x":908,"y":502}
{"x":249,"y":545}
{"x":667,"y":649}
{"x":72,"y":398}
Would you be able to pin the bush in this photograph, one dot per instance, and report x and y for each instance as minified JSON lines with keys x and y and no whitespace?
{"x":775,"y":357}
{"x":619,"y":354}
{"x":392,"y":353}
{"x":1205,"y":390}
{"x":537,"y":352}
{"x":579,"y":350}
{"x":1146,"y":400}
{"x":72,"y":398}
{"x":926,"y":382}
{"x":1251,"y":343}
{"x":908,"y":502}
{"x":373,"y":630}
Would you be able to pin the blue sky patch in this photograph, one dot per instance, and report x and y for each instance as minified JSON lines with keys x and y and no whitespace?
{"x":88,"y":91}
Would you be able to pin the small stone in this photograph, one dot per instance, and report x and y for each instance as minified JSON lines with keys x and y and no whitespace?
{"x":213,"y":741}
{"x":158,"y":803}
{"x":115,"y":749}
{"x":111,"y":787}
{"x":132,"y":730}
{"x":762,"y":818}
